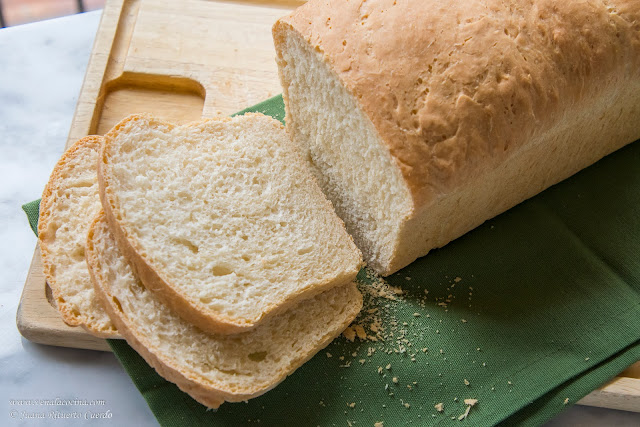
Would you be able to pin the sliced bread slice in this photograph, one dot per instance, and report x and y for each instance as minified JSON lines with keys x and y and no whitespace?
{"x":221,"y":218}
{"x":213,"y":368}
{"x":69,"y":202}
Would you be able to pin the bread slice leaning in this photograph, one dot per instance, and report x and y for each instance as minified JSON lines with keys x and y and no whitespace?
{"x":221,"y":218}
{"x":213,"y":368}
{"x":69,"y":202}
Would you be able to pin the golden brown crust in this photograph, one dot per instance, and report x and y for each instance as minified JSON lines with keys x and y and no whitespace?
{"x":111,"y":334}
{"x":209,"y":394}
{"x":480,"y":106}
{"x":453,"y":91}
{"x":192,"y":311}
{"x":70,"y":316}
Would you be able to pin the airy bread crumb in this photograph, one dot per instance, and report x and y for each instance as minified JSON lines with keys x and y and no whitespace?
{"x":69,"y":202}
{"x":206,"y":365}
{"x":222,"y":218}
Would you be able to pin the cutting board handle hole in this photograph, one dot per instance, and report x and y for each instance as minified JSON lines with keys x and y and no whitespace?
{"x":174,"y":98}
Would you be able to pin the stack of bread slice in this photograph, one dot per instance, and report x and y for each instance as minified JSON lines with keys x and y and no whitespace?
{"x":209,"y":247}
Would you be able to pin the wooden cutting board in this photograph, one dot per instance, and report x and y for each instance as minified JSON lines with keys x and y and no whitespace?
{"x":180,"y":60}
{"x":183,"y":60}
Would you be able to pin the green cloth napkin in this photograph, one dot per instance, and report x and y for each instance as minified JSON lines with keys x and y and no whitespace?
{"x":527,"y":314}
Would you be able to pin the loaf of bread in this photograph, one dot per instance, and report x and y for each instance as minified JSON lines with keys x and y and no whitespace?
{"x":69,"y":202}
{"x":222,"y":219}
{"x":213,"y":368}
{"x":424,"y":119}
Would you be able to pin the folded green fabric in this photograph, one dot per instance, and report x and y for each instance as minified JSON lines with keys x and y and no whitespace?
{"x":527,"y":314}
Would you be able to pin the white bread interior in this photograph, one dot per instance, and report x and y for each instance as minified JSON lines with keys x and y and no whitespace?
{"x":221,"y":218}
{"x":213,"y":368}
{"x":69,"y":202}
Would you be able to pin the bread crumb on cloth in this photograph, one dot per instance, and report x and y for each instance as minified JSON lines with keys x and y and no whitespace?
{"x":470,"y":403}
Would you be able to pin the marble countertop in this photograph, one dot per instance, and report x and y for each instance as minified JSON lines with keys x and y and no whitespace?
{"x":42,"y":66}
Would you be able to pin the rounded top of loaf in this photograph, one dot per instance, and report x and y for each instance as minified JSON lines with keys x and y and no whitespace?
{"x":452,"y":88}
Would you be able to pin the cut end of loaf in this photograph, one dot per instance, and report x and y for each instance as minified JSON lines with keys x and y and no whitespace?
{"x":351,"y":163}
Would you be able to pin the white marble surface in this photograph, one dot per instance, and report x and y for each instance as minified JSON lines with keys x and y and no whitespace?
{"x":42,"y":66}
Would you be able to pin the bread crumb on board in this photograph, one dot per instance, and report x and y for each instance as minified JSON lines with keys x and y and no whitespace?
{"x":379,"y":424}
{"x":439,"y":407}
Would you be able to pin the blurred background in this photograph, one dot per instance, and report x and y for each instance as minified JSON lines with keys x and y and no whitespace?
{"x":16,"y":12}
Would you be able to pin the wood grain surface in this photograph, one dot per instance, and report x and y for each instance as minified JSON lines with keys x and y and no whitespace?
{"x":181,"y":61}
